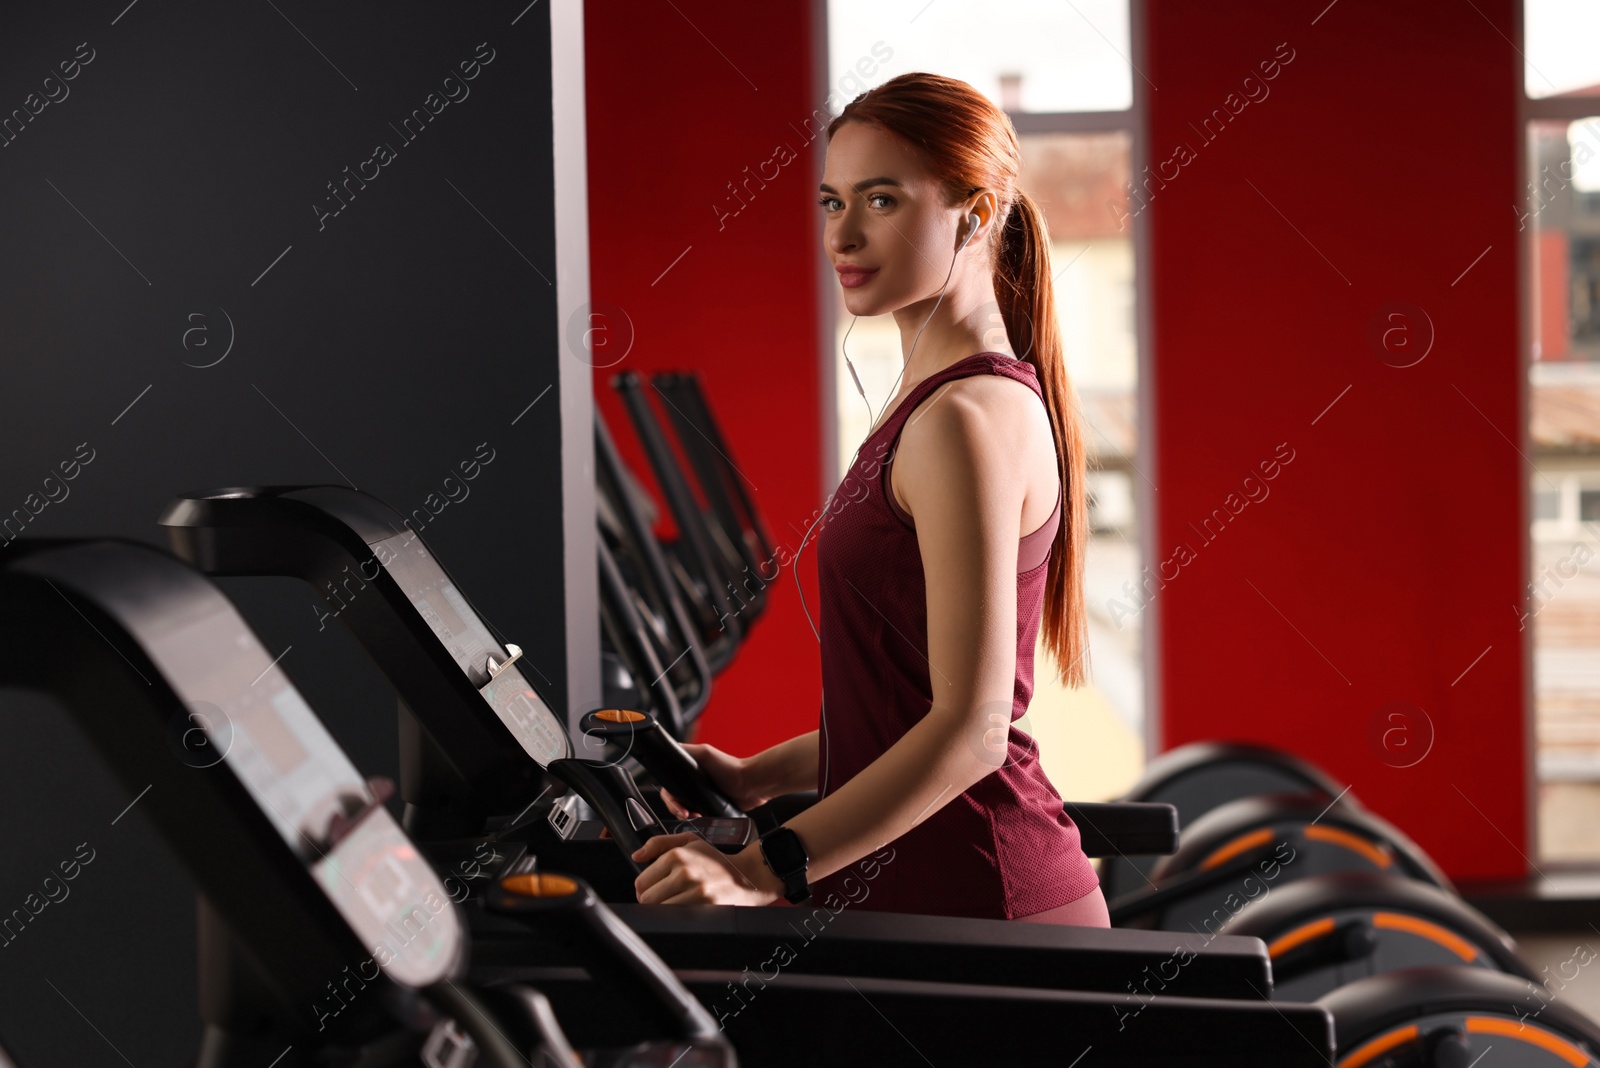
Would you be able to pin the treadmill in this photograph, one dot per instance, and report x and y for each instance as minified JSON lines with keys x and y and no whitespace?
{"x":863,"y":946}
{"x":671,"y":615}
{"x":721,"y":481}
{"x":309,"y":886}
{"x":316,"y":532}
{"x":321,"y":925}
{"x":702,"y":549}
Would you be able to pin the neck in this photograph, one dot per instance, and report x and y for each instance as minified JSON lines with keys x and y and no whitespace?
{"x":966,"y":322}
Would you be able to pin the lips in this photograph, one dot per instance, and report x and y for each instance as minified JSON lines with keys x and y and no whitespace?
{"x":851,"y":277}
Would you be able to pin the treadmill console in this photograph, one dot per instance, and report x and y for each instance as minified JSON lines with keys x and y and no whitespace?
{"x":243,"y":714}
{"x":574,"y":820}
{"x":461,"y":630}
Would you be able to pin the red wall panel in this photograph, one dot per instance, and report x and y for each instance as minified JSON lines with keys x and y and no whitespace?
{"x":682,"y":101}
{"x":1302,"y":255}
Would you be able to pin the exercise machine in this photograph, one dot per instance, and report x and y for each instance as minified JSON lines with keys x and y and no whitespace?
{"x":320,"y":924}
{"x":675,"y":655}
{"x":1201,"y":776}
{"x":310,"y":886}
{"x":322,"y":533}
{"x":721,"y":483}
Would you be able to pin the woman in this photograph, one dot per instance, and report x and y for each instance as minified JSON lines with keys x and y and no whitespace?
{"x":962,"y":516}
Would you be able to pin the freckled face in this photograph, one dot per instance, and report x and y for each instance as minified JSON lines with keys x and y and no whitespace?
{"x":883,"y":211}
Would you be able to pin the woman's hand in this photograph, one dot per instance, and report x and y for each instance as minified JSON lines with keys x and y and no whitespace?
{"x":683,"y":869}
{"x":730,"y":774}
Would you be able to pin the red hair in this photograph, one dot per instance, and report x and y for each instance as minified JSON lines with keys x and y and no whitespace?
{"x":968,"y":143}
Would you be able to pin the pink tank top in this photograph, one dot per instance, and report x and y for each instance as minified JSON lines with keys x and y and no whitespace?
{"x":1004,"y":848}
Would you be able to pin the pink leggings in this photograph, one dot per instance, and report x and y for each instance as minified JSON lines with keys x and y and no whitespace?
{"x":1087,"y":911}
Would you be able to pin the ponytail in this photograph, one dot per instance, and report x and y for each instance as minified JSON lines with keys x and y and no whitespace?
{"x":1026,"y":294}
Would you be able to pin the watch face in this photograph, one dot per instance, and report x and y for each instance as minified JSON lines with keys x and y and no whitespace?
{"x":784,"y":850}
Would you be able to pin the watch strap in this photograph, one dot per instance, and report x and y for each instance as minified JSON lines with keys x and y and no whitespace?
{"x":796,"y":889}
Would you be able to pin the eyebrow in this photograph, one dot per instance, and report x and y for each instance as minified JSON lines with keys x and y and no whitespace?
{"x":859,"y":186}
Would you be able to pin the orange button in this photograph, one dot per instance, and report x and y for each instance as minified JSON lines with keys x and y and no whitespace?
{"x":619,"y":715}
{"x":539,"y":885}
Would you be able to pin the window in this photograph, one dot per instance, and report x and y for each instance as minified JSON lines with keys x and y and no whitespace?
{"x":1560,"y":58}
{"x":1063,"y":74}
{"x":1031,"y":55}
{"x":1546,"y":504}
{"x":1561,"y":222}
{"x":1563,"y":213}
{"x":1589,"y":506}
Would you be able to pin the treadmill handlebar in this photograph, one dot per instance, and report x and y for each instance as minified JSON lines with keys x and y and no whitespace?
{"x":642,"y":737}
{"x":504,"y":1027}
{"x":1105,"y":829}
{"x":611,"y":792}
{"x":565,"y":910}
{"x":1125,"y":828}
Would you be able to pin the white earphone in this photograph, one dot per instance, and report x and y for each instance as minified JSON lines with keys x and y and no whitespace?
{"x":973,"y":221}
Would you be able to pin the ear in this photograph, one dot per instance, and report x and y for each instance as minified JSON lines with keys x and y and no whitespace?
{"x":984,"y":205}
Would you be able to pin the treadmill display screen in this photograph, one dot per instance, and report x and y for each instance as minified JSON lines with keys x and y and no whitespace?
{"x":463,"y":632}
{"x":393,"y":900}
{"x":246,"y":712}
{"x":243,"y":712}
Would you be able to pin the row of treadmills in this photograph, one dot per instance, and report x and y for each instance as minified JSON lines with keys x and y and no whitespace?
{"x":1260,"y":914}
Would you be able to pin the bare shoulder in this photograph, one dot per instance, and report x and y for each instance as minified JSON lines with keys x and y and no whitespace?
{"x":992,"y":412}
{"x":987,"y":429}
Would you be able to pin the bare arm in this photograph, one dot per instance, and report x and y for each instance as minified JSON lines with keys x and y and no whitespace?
{"x":750,"y":782}
{"x":967,"y":491}
{"x":786,"y":768}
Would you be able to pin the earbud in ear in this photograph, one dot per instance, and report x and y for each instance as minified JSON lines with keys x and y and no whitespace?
{"x":972,"y":228}
{"x":973,"y":222}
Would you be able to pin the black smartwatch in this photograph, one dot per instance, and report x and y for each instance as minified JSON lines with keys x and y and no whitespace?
{"x":786,"y":856}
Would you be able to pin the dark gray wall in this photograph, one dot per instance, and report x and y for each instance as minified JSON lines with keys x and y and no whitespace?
{"x":170,"y":207}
